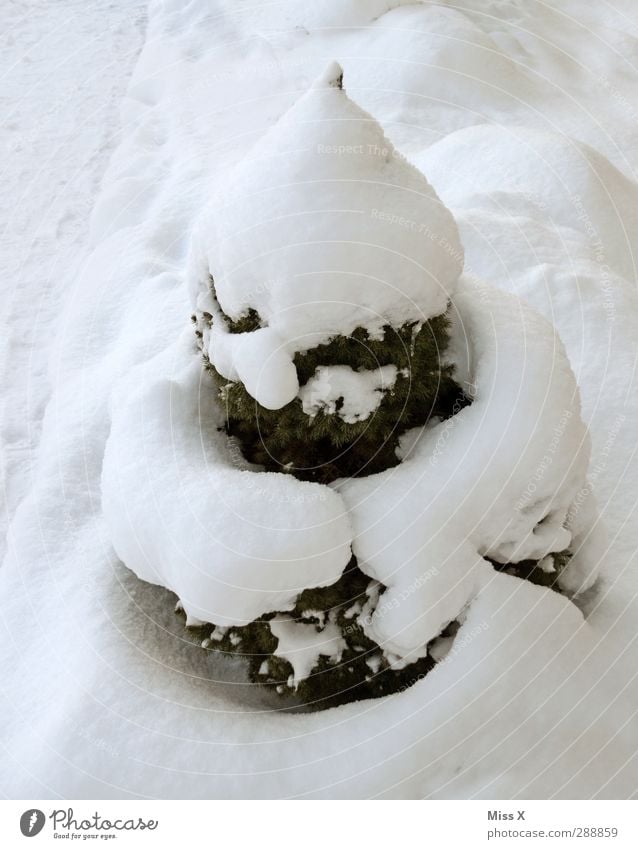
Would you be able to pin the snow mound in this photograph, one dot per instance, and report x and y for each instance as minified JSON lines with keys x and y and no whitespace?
{"x":496,"y":481}
{"x":572,"y":185}
{"x":554,"y":221}
{"x":184,"y":511}
{"x":436,"y":57}
{"x":323,"y":228}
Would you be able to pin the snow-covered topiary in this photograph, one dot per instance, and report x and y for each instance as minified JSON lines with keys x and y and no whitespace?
{"x":328,"y":263}
{"x":327,"y":266}
{"x":325,"y":231}
{"x":373,"y":433}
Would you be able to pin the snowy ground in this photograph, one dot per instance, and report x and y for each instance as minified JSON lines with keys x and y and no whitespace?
{"x":64,"y":69}
{"x":101,"y":694}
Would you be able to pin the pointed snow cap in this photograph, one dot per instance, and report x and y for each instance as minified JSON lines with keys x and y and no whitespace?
{"x":325,"y":227}
{"x":332,"y":77}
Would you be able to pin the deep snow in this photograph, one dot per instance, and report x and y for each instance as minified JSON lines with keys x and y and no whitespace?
{"x":64,"y":71}
{"x":530,"y":700}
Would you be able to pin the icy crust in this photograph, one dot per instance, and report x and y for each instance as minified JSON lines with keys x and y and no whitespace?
{"x":184,"y":511}
{"x":323,"y":228}
{"x":495,"y":481}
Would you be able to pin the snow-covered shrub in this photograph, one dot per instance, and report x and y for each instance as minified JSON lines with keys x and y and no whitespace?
{"x":337,"y":253}
{"x":358,"y":394}
{"x":322,"y":277}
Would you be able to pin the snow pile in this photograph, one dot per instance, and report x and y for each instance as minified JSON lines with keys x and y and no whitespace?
{"x":496,"y":480}
{"x":232,"y":543}
{"x":582,"y":194}
{"x":322,"y":229}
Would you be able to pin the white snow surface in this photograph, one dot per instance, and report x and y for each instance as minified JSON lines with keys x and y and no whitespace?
{"x":360,"y":391}
{"x":102,"y":696}
{"x":497,"y":479}
{"x":302,"y":644}
{"x":64,"y":71}
{"x":322,"y":228}
{"x":182,"y":512}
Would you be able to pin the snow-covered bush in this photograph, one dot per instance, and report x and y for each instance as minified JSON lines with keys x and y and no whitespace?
{"x":322,"y":277}
{"x":358,"y":394}
{"x":325,"y":273}
{"x":330,"y":251}
{"x":373,"y":433}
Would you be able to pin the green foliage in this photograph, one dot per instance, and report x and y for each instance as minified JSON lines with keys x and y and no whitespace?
{"x":324,"y":447}
{"x":361,"y":672}
{"x":530,"y":570}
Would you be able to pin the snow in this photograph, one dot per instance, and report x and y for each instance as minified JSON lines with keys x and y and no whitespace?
{"x":496,"y":480}
{"x":260,"y":361}
{"x":532,"y":699}
{"x":230,"y":542}
{"x":64,"y":73}
{"x":360,"y":391}
{"x":303,"y":644}
{"x":577,"y":189}
{"x":299,"y":232}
